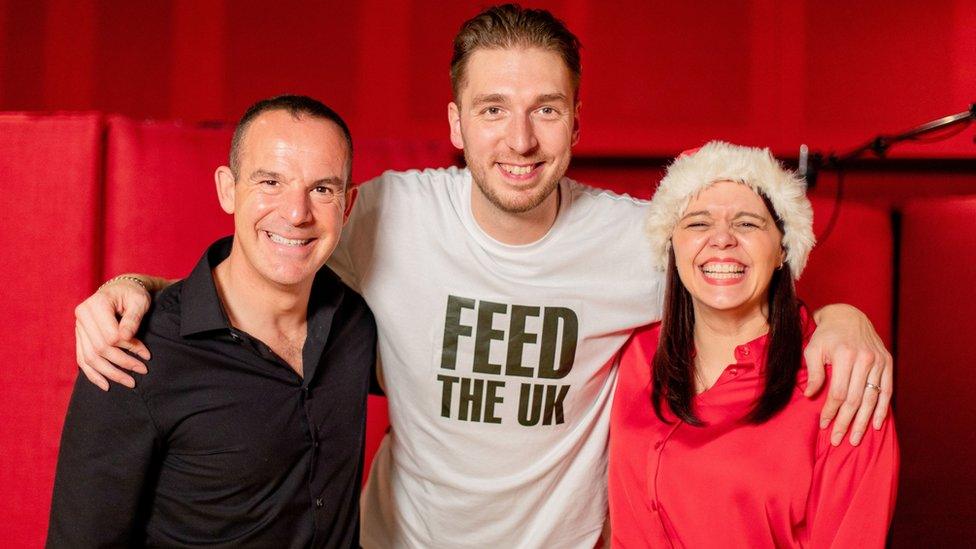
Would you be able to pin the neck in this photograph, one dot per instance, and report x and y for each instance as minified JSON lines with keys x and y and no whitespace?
{"x":257,"y":306}
{"x":717,"y":333}
{"x":514,"y":228}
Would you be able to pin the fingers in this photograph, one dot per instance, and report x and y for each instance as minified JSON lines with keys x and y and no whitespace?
{"x":94,"y":377}
{"x":136,"y":347}
{"x":97,"y":369}
{"x":99,"y":340}
{"x":868,"y":403}
{"x":815,"y":372}
{"x":862,"y":364}
{"x":133,"y":308}
{"x":839,"y":382}
{"x":103,"y":367}
{"x":119,"y":358}
{"x":887,"y":384}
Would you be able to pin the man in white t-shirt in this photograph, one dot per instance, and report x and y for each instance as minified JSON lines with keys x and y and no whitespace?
{"x":502,"y":293}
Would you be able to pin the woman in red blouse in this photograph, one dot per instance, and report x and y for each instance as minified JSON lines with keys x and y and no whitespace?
{"x":712,"y":442}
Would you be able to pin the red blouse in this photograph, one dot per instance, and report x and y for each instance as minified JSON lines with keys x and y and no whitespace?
{"x":734,"y":484}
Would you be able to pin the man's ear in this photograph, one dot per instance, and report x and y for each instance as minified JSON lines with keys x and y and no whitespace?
{"x":224,"y":180}
{"x":454,"y":119}
{"x":350,"y":196}
{"x":576,"y":123}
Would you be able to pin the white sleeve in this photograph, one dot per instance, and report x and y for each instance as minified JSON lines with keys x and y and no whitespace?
{"x":352,"y":255}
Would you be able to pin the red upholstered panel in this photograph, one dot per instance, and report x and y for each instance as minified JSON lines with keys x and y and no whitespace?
{"x":374,"y":156}
{"x":161,"y":208}
{"x":50,"y":171}
{"x":936,"y":374}
{"x":854,"y":264}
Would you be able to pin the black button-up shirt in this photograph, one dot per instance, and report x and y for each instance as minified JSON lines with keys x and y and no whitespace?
{"x":222,"y":443}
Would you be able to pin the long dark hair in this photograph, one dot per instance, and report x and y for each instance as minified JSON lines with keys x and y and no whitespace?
{"x":674,"y":367}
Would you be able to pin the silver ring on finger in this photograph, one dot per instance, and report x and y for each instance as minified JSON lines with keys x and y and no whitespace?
{"x":870,"y":385}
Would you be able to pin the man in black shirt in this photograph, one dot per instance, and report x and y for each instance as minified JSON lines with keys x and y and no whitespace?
{"x":248,"y":429}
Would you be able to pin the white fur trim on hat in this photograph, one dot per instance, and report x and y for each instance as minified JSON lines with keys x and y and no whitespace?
{"x":717,"y":161}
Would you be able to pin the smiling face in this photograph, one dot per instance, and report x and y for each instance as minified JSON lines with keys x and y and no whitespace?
{"x":288,"y":199}
{"x":517,"y":120}
{"x":726,"y":247}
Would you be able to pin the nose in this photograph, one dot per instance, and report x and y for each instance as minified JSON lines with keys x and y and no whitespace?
{"x":722,"y":237}
{"x":520,"y":137}
{"x":295,"y":206}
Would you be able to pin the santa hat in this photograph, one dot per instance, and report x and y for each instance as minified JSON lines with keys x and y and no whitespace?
{"x":695,"y":170}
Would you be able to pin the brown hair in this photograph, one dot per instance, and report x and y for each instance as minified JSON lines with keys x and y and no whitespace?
{"x":511,"y":26}
{"x":674,"y":367}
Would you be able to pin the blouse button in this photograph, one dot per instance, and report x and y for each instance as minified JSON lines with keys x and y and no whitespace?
{"x":657,"y":445}
{"x":744,"y":350}
{"x":734,"y":371}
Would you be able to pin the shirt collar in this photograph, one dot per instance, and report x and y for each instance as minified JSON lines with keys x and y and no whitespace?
{"x":753,"y":353}
{"x":201,"y":310}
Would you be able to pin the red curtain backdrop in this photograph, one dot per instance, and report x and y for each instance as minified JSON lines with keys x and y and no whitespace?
{"x":659,"y":77}
{"x":90,"y":195}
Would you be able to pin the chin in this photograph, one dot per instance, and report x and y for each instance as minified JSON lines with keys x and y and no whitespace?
{"x":289,"y":275}
{"x":517,"y":201}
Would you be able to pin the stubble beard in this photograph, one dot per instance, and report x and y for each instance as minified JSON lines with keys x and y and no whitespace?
{"x":532,"y":201}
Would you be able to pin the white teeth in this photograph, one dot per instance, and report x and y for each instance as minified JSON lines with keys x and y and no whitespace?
{"x":723,"y":276}
{"x":286,"y":241}
{"x":723,"y":268}
{"x":517,"y":170}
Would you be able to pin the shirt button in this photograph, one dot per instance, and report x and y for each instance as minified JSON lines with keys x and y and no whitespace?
{"x":235,"y":336}
{"x":733,"y":371}
{"x":657,"y":444}
{"x":744,"y":350}
{"x":319,"y":503}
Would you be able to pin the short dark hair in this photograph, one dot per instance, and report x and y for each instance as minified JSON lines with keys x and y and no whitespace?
{"x":510,"y":26}
{"x":296,"y":105}
{"x":673,"y":365}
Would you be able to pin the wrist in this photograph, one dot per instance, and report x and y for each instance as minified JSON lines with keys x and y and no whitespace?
{"x":123,"y":278}
{"x":838,"y":312}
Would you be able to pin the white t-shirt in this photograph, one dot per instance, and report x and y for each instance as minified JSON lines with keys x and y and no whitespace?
{"x":497,"y":359}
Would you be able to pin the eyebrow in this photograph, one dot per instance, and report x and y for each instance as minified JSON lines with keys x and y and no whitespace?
{"x":266,"y":174}
{"x":501,"y":98}
{"x":693,"y":214}
{"x":551,"y":98}
{"x":750,"y":214}
{"x":489,"y":98}
{"x":335,"y":181}
{"x":737,"y":216}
